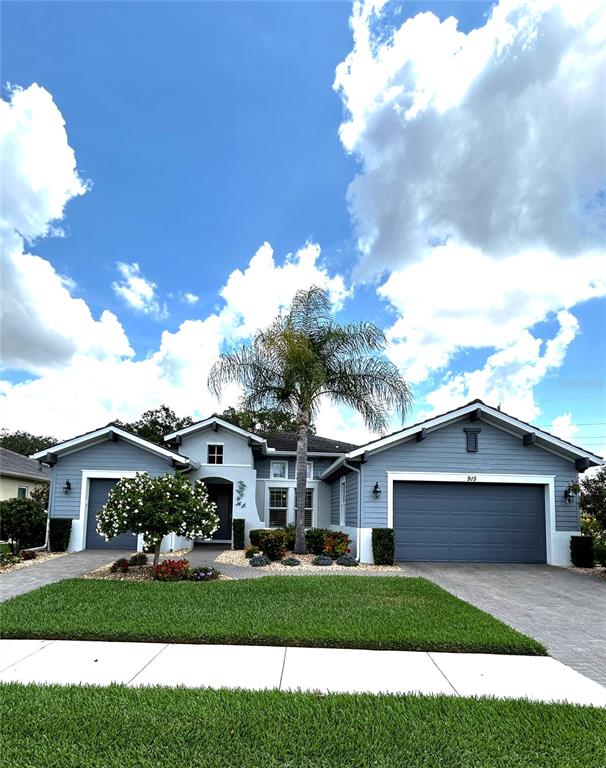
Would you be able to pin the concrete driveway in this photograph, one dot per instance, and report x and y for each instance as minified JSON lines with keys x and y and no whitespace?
{"x":69,"y":567}
{"x":565,"y":611}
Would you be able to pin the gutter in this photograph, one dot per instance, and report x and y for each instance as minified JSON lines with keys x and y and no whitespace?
{"x":359,"y":473}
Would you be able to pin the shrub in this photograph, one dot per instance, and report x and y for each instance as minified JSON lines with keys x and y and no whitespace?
{"x":119,"y":565}
{"x":139,"y":558}
{"x":291,"y":531}
{"x":172,"y":570}
{"x":599,"y":549}
{"x":259,"y":561}
{"x":204,"y":573}
{"x":251,"y":551}
{"x":7,"y":558}
{"x":273,"y":543}
{"x":383,"y":547}
{"x":291,"y":561}
{"x":59,"y":531}
{"x":322,"y":560}
{"x":349,"y":561}
{"x":28,"y":554}
{"x":22,"y":523}
{"x":237,"y":525}
{"x":314,"y":540}
{"x":255,"y":535}
{"x":581,"y":551}
{"x":336,"y":543}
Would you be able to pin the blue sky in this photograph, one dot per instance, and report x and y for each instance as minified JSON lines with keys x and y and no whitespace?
{"x":205,"y":130}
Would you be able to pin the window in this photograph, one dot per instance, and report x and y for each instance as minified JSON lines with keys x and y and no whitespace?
{"x":342,"y":500}
{"x":472,"y":440}
{"x":310,"y":470}
{"x":215,"y":453}
{"x":309,"y":507}
{"x":22,"y":492}
{"x":278,"y":506}
{"x":279,"y":470}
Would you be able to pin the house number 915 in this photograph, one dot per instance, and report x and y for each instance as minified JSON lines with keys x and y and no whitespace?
{"x":472,"y":478}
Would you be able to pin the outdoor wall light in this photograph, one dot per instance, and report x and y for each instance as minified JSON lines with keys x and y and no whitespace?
{"x":67,"y":487}
{"x":569,"y":495}
{"x":376,"y":491}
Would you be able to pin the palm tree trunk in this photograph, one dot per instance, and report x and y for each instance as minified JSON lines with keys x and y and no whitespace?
{"x":301,"y":475}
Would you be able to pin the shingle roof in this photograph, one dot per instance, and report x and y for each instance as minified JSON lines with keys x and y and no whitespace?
{"x":287,"y":441}
{"x":17,"y":465}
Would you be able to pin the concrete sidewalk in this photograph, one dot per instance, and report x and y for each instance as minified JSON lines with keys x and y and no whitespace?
{"x":327,"y":670}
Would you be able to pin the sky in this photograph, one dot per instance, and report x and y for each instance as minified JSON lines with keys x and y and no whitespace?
{"x":173,"y":172}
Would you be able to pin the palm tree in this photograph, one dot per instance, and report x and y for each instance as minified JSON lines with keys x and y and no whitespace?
{"x":305,"y":356}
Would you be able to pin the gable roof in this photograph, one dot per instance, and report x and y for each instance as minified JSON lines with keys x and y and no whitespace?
{"x":490,"y":415}
{"x":110,"y":432}
{"x":287,"y":442}
{"x":214,"y":421}
{"x":15,"y":464}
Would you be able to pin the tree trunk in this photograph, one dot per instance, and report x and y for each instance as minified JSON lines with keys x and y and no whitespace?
{"x":301,"y":476}
{"x":157,"y":552}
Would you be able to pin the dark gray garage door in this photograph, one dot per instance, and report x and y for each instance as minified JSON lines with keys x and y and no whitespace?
{"x":469,"y":522}
{"x":97,"y":496}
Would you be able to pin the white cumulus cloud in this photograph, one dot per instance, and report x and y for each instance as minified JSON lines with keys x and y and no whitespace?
{"x":137,"y":291}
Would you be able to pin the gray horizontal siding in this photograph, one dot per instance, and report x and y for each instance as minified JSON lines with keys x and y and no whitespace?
{"x":263,"y":463}
{"x":444,"y":450}
{"x":107,"y":455}
{"x":351,"y":499}
{"x":334,"y":502}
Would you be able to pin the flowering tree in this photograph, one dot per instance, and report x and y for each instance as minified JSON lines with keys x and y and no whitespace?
{"x":157,"y":506}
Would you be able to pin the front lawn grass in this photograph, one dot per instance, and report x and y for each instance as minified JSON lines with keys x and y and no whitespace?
{"x":87,"y":727}
{"x":326,"y":611}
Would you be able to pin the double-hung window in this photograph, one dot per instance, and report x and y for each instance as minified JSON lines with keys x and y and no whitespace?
{"x":309,"y":507}
{"x":278,"y":470}
{"x":215,"y":453}
{"x":22,"y":492}
{"x":278,"y":506}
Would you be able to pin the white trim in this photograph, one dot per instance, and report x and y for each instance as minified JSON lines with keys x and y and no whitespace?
{"x":446,"y":418}
{"x":78,"y":536}
{"x":553,"y":551}
{"x":93,"y":437}
{"x":215,"y":444}
{"x":342,"y":500}
{"x":284,"y":462}
{"x":309,"y":474}
{"x":25,"y":488}
{"x":215,"y":420}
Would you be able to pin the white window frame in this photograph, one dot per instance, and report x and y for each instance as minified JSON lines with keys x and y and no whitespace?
{"x":215,"y":445}
{"x":342,"y":499}
{"x":284,"y":462}
{"x":25,"y":488}
{"x":310,"y":470}
{"x":286,"y":509}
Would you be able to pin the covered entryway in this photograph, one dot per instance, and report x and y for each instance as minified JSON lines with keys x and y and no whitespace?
{"x":469,"y":522}
{"x":221,"y":492}
{"x":97,"y":496}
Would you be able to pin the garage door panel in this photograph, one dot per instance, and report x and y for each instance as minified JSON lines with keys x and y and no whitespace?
{"x":469,"y":523}
{"x":97,"y":496}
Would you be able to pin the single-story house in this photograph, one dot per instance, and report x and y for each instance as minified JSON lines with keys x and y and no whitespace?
{"x":19,"y":475}
{"x":471,"y":485}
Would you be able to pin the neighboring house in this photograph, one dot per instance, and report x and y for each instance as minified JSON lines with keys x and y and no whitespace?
{"x":470,"y":485}
{"x":19,"y":475}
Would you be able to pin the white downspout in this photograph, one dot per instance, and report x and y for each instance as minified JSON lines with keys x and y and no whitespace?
{"x":359,"y":473}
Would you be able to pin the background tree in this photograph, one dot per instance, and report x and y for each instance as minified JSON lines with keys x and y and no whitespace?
{"x":265,"y":420}
{"x":24,"y":442}
{"x":157,"y":506}
{"x":591,"y":491}
{"x":154,"y":424}
{"x":40,"y":494}
{"x":305,"y":356}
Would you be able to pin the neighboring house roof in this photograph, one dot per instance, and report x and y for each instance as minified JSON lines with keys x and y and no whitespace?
{"x":486,"y":412}
{"x":16,"y":465}
{"x":110,"y":432}
{"x":287,"y":442}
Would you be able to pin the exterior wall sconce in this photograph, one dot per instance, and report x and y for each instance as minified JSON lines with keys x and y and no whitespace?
{"x":67,"y":487}
{"x":569,"y":495}
{"x":376,"y":491}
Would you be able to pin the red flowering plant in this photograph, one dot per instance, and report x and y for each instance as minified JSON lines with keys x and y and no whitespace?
{"x":336,"y":543}
{"x":172,"y":570}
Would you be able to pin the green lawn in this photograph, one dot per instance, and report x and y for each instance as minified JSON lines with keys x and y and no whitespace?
{"x":330,"y":611}
{"x":82,"y":727}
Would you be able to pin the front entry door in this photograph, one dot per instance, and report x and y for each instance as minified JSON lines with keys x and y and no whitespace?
{"x":222,"y":495}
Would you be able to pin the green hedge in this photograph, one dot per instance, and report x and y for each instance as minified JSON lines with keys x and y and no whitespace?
{"x":238,"y":524}
{"x":58,"y":534}
{"x":314,"y":540}
{"x":22,"y":523}
{"x":581,"y":551}
{"x":383,"y":547}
